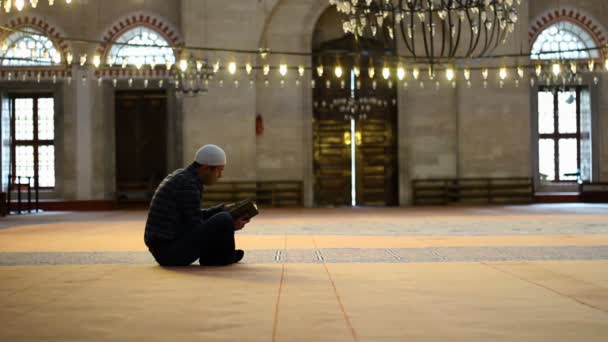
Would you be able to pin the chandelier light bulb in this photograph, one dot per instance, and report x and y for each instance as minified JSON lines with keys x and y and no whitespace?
{"x":467,"y":74}
{"x":386,"y":73}
{"x":266,"y":69}
{"x":320,"y":71}
{"x":520,"y":72}
{"x":356,"y":71}
{"x":19,"y":4}
{"x":183,"y":65}
{"x":556,"y":68}
{"x":169,"y":65}
{"x":68,"y":1}
{"x":216,"y":67}
{"x":606,"y":64}
{"x":283,"y":70}
{"x":7,"y":6}
{"x":248,"y":68}
{"x":97,"y":61}
{"x":400,"y":73}
{"x":111,"y":60}
{"x":573,"y":67}
{"x":199,"y":65}
{"x":371,"y":72}
{"x":301,"y":70}
{"x":232,"y":68}
{"x":83,"y":59}
{"x":51,"y":2}
{"x":416,"y":73}
{"x":338,"y":71}
{"x":449,"y":73}
{"x":139,"y":63}
{"x":503,"y":73}
{"x":34,"y":3}
{"x":69,"y":58}
{"x":56,"y":57}
{"x":485,"y":74}
{"x":539,"y":70}
{"x":591,"y":65}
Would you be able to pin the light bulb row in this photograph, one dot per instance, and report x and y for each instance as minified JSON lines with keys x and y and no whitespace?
{"x":556,"y":68}
{"x":327,"y":84}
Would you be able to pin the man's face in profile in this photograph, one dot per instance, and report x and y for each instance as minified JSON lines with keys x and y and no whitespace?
{"x":210,"y":174}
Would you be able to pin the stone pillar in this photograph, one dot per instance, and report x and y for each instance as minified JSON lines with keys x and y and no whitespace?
{"x":83,"y":108}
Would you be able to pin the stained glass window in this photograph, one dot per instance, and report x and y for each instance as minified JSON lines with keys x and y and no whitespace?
{"x":29,"y":47}
{"x":46,"y":166}
{"x":24,"y":162}
{"x":566,"y":102}
{"x":24,"y":119}
{"x":568,"y":158}
{"x":545,"y":112}
{"x":156,"y":49}
{"x":46,"y":122}
{"x":558,"y":40}
{"x":559,"y":133}
{"x":546,"y":149}
{"x":33,"y":140}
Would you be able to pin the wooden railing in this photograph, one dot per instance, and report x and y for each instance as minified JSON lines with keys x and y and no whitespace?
{"x":447,"y":191}
{"x":265,"y":193}
{"x":24,"y":188}
{"x":594,"y":192}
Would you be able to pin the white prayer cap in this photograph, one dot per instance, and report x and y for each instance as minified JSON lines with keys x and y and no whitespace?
{"x":211,"y":155}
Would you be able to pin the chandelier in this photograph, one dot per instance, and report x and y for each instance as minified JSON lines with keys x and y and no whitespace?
{"x":192,"y":76}
{"x":19,"y":5}
{"x":433,"y":30}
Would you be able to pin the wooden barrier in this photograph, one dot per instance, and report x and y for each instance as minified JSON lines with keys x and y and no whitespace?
{"x":447,"y":191}
{"x":265,"y":193}
{"x":594,"y":192}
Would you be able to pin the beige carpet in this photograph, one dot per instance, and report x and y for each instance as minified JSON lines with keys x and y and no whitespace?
{"x":89,"y":279}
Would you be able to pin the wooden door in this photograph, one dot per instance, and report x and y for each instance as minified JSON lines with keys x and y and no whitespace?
{"x":141,"y":142}
{"x":376,"y":123}
{"x":332,"y":156}
{"x":377,"y":149}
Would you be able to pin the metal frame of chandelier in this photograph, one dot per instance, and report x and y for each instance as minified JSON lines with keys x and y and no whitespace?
{"x":446,"y":29}
{"x":19,"y":5}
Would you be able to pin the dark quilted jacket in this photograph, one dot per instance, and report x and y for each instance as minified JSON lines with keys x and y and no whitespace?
{"x":176,"y":207}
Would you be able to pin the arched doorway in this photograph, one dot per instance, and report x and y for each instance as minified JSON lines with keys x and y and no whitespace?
{"x":354,"y":119}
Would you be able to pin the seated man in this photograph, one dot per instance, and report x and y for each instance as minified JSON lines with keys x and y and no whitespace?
{"x":178,"y":231}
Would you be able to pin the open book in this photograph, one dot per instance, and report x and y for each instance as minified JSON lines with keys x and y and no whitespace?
{"x":243,"y":209}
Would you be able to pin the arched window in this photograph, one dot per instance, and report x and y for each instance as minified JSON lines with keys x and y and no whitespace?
{"x":156,"y":49}
{"x":558,"y":40}
{"x":29,"y":47}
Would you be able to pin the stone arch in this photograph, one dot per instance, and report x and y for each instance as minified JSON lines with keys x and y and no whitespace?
{"x":306,"y":22}
{"x":595,"y":29}
{"x":163,"y":27}
{"x":55,"y":34}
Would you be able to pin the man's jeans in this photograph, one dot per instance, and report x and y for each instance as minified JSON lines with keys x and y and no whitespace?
{"x":212,"y":243}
